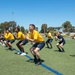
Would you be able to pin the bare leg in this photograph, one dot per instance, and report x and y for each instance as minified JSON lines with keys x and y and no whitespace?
{"x":51,"y":45}
{"x":9,"y":44}
{"x":61,"y":46}
{"x":38,"y":55}
{"x":32,"y":50}
{"x":47,"y":44}
{"x":18,"y":46}
{"x":21,"y":47}
{"x":33,"y":53}
{"x":58,"y":46}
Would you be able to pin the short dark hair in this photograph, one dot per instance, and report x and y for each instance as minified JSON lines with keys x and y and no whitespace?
{"x":18,"y":28}
{"x":32,"y":25}
{"x":7,"y":29}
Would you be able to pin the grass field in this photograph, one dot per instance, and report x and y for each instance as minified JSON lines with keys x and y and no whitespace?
{"x":64,"y":63}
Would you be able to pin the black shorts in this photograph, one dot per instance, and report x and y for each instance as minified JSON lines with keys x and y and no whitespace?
{"x":11,"y":41}
{"x":2,"y":39}
{"x":23,"y":42}
{"x":49,"y":41}
{"x":62,"y":42}
{"x":39,"y":45}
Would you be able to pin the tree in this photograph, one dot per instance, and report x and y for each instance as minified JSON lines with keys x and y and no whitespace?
{"x":43,"y":28}
{"x":18,"y":26}
{"x":67,"y":26}
{"x":72,"y":29}
{"x":11,"y":25}
{"x":52,"y":30}
{"x":22,"y":29}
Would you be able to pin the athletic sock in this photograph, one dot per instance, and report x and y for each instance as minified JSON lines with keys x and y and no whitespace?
{"x":63,"y":49}
{"x":59,"y":49}
{"x":22,"y":50}
{"x":47,"y":46}
{"x":35,"y":57}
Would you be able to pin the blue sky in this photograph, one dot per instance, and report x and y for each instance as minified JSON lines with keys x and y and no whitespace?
{"x":51,"y":12}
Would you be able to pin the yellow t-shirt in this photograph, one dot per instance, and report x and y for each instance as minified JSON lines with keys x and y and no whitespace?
{"x":9,"y":36}
{"x":36,"y":36}
{"x":20,"y":35}
{"x":50,"y":35}
{"x":28,"y":35}
{"x":5,"y":35}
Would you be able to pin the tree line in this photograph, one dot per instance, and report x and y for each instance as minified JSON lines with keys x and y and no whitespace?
{"x":65,"y":27}
{"x":11,"y":25}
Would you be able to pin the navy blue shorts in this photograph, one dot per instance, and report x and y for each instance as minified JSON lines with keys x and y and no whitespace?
{"x":11,"y":41}
{"x":2,"y":39}
{"x":39,"y":45}
{"x":62,"y":42}
{"x":23,"y":42}
{"x":49,"y":41}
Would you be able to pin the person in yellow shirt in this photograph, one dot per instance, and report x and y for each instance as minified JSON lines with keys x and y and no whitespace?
{"x":5,"y":34}
{"x":5,"y":41}
{"x":22,"y":41}
{"x":28,"y":35}
{"x":10,"y":39}
{"x":49,"y":40}
{"x":39,"y":43}
{"x":2,"y":39}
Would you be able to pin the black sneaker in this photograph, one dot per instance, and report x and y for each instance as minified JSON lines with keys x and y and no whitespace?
{"x":47,"y":47}
{"x":39,"y":63}
{"x":60,"y":51}
{"x":11,"y":49}
{"x":63,"y":50}
{"x":35,"y":61}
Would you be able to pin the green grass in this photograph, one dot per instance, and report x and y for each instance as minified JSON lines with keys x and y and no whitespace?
{"x":12,"y":64}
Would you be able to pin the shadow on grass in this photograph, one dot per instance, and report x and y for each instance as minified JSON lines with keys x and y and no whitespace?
{"x":72,"y":55}
{"x":48,"y":47}
{"x":59,"y":51}
{"x":32,"y":61}
{"x":56,"y":50}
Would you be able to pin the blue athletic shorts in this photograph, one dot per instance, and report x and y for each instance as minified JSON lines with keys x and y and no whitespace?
{"x":2,"y":39}
{"x":39,"y":45}
{"x":11,"y":41}
{"x":49,"y":41}
{"x":62,"y":42}
{"x":23,"y":42}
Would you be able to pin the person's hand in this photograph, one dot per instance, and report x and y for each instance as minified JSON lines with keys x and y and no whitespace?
{"x":56,"y":38}
{"x":14,"y":34}
{"x":27,"y":37}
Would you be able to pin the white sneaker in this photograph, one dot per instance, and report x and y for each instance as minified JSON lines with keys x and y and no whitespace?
{"x":18,"y":53}
{"x":23,"y":54}
{"x":3,"y":45}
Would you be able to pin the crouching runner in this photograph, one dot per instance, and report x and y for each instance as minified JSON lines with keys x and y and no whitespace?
{"x":9,"y":39}
{"x":39,"y":43}
{"x":61,"y":42}
{"x":22,"y":41}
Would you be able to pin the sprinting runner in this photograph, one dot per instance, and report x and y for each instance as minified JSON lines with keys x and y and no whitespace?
{"x":22,"y":41}
{"x":61,"y":42}
{"x":39,"y":43}
{"x":49,"y":40}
